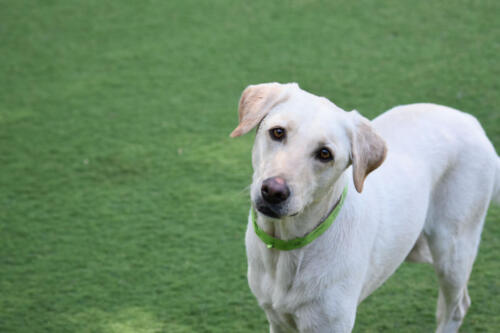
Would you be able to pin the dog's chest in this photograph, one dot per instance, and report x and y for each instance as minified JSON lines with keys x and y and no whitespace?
{"x":275,"y":279}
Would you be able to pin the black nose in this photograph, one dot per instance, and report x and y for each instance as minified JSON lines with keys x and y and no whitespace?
{"x":274,"y":190}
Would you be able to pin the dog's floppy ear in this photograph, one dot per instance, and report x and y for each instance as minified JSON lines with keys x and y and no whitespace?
{"x":368,"y":150}
{"x":255,"y":102}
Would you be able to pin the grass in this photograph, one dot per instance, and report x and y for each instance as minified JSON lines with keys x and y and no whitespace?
{"x":122,"y":199}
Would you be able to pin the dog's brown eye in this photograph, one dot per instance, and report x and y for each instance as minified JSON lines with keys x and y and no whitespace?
{"x":277,"y":133}
{"x":324,"y":155}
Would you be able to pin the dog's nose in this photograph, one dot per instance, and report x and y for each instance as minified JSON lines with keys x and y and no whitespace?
{"x":274,"y":190}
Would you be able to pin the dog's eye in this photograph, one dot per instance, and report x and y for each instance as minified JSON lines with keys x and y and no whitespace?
{"x":324,"y":155}
{"x":277,"y":133}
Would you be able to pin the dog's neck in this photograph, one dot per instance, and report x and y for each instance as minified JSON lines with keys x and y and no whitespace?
{"x":291,"y":227}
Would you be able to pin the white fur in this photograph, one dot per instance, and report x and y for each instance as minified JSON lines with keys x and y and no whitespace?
{"x":427,"y":202}
{"x":496,"y":194}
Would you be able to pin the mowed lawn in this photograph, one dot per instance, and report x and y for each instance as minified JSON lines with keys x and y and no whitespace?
{"x":123,"y":201}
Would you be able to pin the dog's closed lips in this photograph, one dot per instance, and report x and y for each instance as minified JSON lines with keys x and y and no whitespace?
{"x":267,"y":210}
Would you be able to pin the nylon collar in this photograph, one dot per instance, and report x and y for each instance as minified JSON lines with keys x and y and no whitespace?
{"x":296,"y":243}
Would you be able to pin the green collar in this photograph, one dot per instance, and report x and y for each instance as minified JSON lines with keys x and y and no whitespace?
{"x":292,"y":244}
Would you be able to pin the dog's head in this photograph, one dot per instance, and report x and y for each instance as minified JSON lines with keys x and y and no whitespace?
{"x":304,"y":143}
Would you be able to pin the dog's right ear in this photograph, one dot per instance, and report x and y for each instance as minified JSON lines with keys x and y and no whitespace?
{"x":255,"y":103}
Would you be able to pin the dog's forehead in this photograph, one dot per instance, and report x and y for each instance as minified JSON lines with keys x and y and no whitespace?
{"x":305,"y":111}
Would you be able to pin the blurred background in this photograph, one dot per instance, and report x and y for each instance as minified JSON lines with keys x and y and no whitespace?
{"x":123,"y":201}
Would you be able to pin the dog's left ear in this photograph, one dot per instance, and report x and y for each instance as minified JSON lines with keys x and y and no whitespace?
{"x":255,"y":103}
{"x":368,"y":150}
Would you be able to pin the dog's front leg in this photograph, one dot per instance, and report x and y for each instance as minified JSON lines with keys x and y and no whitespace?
{"x":279,"y":322}
{"x":276,"y":328}
{"x":326,"y":318}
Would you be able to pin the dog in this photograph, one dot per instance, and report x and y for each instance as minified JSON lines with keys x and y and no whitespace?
{"x":432,"y":174}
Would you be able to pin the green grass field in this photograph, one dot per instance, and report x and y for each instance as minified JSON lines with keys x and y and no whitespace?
{"x":123,"y":201}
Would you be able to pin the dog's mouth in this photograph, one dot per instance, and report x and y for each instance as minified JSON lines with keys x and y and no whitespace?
{"x":269,"y":210}
{"x":272,"y":211}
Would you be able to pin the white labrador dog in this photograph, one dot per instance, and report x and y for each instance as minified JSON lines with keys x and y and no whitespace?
{"x":434,"y":174}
